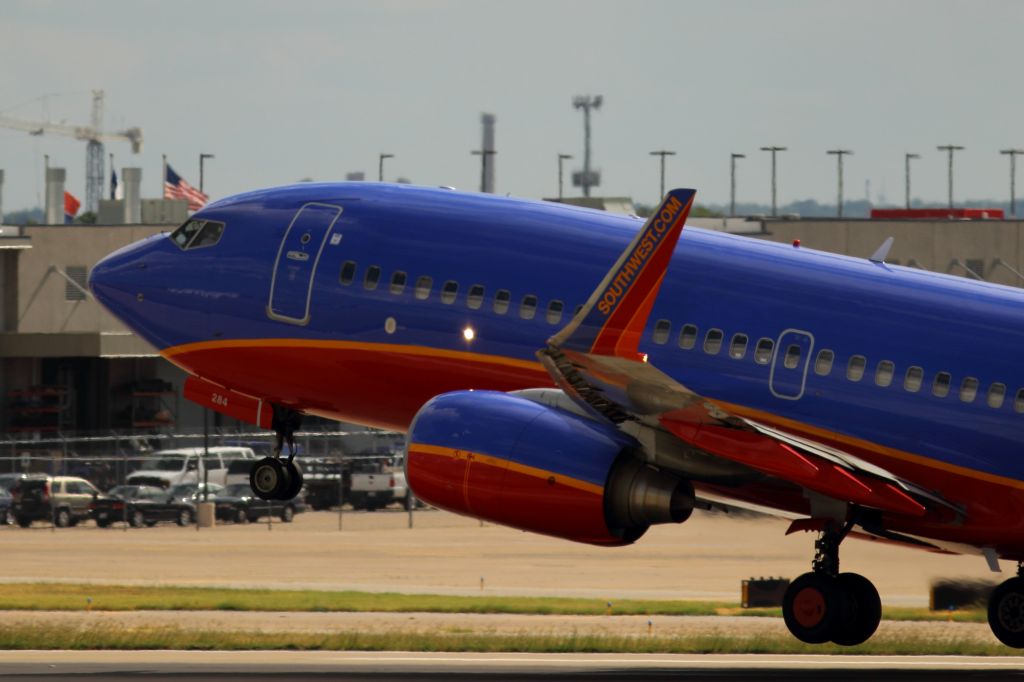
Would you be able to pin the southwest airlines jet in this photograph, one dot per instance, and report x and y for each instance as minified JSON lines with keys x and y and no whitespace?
{"x":585,"y":375}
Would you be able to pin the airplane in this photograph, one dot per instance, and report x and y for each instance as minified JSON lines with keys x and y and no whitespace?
{"x":587,"y":375}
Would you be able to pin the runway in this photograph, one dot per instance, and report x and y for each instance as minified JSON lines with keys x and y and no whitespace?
{"x":506,"y":667}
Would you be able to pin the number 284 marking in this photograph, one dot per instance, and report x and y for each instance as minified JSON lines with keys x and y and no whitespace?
{"x":219,"y":399}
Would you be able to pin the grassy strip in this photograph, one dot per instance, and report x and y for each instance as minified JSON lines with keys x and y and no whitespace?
{"x":78,"y":597}
{"x":19,"y":636}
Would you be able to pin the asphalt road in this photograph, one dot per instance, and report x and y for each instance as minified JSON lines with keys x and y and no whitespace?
{"x":380,"y":666}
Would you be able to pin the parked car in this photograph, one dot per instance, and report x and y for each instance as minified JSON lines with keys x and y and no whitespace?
{"x":140,"y":505}
{"x":168,"y":468}
{"x":372,"y":490}
{"x":237,"y":503}
{"x":6,"y":502}
{"x":191,"y":494}
{"x":64,"y":500}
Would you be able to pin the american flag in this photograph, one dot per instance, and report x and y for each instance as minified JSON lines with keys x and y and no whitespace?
{"x":175,"y":187}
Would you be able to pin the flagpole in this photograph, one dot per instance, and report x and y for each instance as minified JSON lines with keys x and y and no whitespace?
{"x":163,"y":177}
{"x":113,"y":189}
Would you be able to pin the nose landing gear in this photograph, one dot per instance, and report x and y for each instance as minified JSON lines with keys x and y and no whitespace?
{"x":826,"y":605}
{"x":273,"y":478}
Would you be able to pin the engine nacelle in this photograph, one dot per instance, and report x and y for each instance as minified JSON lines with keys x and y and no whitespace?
{"x":510,"y":460}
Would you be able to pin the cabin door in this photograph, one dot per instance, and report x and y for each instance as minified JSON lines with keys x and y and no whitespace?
{"x":790,"y":363}
{"x":291,"y":286}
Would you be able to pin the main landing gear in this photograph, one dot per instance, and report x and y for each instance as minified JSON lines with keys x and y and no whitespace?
{"x":828,"y":606}
{"x":1006,"y":611}
{"x":273,"y":478}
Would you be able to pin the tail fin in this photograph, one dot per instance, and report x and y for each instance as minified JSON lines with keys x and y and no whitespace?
{"x":614,"y":317}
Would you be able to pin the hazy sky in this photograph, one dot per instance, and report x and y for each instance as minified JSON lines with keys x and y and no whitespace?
{"x":280,"y":91}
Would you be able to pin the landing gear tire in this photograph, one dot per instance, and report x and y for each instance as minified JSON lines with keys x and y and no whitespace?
{"x":269,"y":478}
{"x":295,"y":481}
{"x":1006,"y":612}
{"x":862,"y":610}
{"x":812,"y":607}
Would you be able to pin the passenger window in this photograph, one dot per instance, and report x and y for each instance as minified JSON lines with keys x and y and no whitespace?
{"x":348,"y":272}
{"x":713,"y":341}
{"x":968,"y":389}
{"x":855,"y":368}
{"x":449,"y":291}
{"x":996,"y":395}
{"x":912,"y":381}
{"x":792,"y":358}
{"x":398,"y":282}
{"x":884,"y":372}
{"x":1018,"y":402}
{"x":940,"y":387}
{"x":688,"y":337}
{"x":501,"y":301}
{"x":661,"y":331}
{"x":823,"y":363}
{"x":372,"y":277}
{"x":763,"y":351}
{"x":555,"y":309}
{"x":475,"y":297}
{"x":528,"y":308}
{"x":423,"y":286}
{"x":738,"y":346}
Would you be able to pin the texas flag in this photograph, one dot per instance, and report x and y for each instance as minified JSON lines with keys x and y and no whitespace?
{"x":71,"y":206}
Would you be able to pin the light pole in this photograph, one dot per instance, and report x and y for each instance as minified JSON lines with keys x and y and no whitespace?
{"x":950,"y":148}
{"x":1012,"y":153}
{"x":732,"y":182}
{"x":906,"y":161}
{"x":202,"y":162}
{"x":483,"y":154}
{"x":839,"y":154}
{"x":561,"y":158}
{"x":587,"y":103}
{"x":380,"y":166}
{"x":773,"y":150}
{"x":662,"y":153}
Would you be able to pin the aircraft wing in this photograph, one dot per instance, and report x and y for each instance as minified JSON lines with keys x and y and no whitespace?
{"x":595,"y":359}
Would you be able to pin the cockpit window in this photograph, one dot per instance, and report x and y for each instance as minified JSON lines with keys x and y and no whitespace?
{"x":197,"y":233}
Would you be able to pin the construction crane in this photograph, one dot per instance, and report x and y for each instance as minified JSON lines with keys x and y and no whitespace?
{"x":93,"y":135}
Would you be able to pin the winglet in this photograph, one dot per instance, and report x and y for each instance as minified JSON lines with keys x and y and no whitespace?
{"x":614,"y":317}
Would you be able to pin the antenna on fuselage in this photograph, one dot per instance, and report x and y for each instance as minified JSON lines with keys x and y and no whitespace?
{"x":883,"y":251}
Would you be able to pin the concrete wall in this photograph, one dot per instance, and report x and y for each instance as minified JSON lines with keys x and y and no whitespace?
{"x":932,"y":245}
{"x":42,"y":307}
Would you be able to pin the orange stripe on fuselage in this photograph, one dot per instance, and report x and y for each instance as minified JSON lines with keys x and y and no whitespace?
{"x":491,"y":460}
{"x":406,"y":349}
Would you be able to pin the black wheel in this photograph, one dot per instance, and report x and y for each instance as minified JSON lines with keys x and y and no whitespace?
{"x":811,"y":607}
{"x":862,"y":610}
{"x":294,"y":481}
{"x":62,"y":519}
{"x":137,"y":519}
{"x":269,"y":478}
{"x":102,"y":523}
{"x":240,"y":516}
{"x":1006,"y":612}
{"x":24,"y":521}
{"x":288,"y":513}
{"x":184,"y":517}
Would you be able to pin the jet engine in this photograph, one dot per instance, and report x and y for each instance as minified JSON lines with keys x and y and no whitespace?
{"x":516,"y":462}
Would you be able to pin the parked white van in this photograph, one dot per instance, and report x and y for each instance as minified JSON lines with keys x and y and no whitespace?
{"x":187,"y":465}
